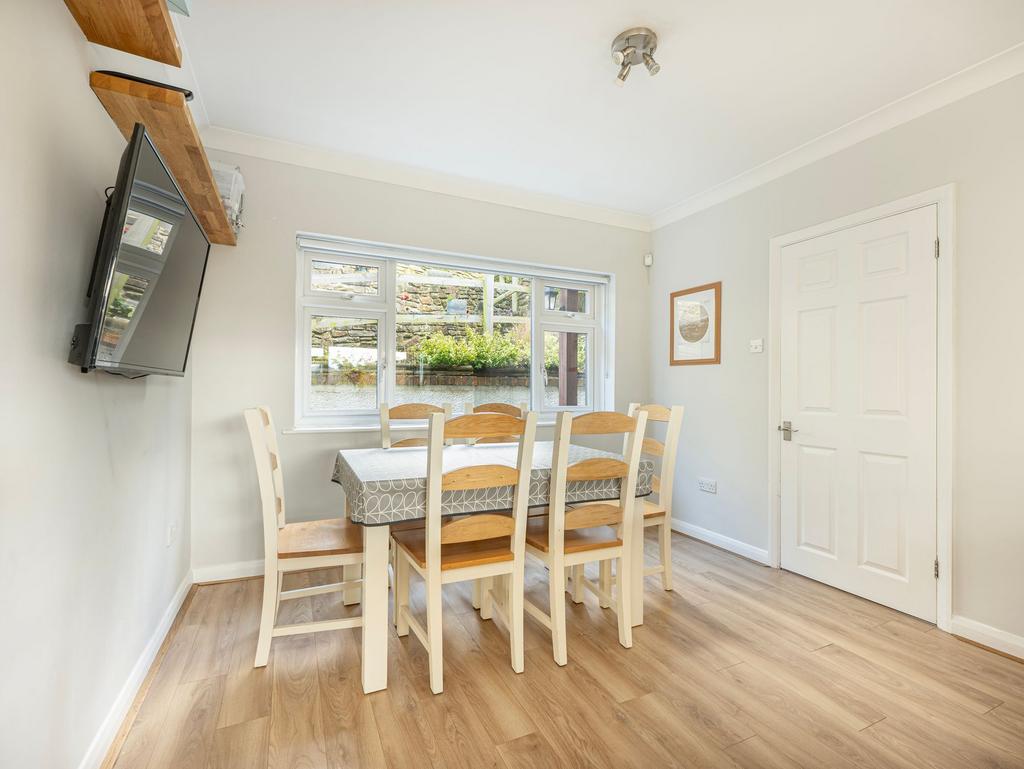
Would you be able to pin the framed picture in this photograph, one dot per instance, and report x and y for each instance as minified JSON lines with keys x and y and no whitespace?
{"x":695,"y":326}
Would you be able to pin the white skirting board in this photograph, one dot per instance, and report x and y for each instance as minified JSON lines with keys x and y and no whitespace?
{"x":989,"y":636}
{"x":223,"y":571}
{"x":115,"y":716}
{"x":720,"y":540}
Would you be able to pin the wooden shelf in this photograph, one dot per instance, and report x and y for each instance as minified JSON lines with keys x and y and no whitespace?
{"x":169,"y":123}
{"x":141,"y":27}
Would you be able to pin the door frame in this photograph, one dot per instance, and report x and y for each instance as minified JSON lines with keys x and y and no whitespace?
{"x":944,"y":198}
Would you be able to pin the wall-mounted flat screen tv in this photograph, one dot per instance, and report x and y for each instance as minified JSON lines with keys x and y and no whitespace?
{"x":147,"y":274}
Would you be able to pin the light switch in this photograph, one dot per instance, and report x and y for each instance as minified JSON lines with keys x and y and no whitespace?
{"x":757,"y":345}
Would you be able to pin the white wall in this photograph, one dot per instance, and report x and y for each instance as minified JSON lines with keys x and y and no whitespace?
{"x":244,"y":348}
{"x":976,"y":143}
{"x":94,"y":467}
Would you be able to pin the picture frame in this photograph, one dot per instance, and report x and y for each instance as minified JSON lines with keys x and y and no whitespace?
{"x":695,"y":326}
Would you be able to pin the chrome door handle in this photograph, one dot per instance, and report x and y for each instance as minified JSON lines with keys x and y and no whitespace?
{"x":787,"y":430}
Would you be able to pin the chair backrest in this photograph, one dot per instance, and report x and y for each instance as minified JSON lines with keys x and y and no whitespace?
{"x":497,"y":408}
{"x":485,"y":476}
{"x":589,"y":514}
{"x":672,"y":417}
{"x":268,"y":472}
{"x":407,"y":411}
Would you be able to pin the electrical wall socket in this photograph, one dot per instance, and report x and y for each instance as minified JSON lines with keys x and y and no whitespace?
{"x":708,"y":485}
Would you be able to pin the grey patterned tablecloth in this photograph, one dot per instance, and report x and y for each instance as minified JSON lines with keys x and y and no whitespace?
{"x":389,"y":485}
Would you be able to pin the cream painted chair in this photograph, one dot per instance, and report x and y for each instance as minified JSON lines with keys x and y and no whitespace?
{"x":470,"y":547}
{"x":588,"y":532}
{"x":407,"y":411}
{"x":658,"y":512}
{"x":493,"y":408}
{"x":293,"y":547}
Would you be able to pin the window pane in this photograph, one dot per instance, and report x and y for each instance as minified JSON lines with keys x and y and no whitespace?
{"x":558,"y":299}
{"x":461,"y":337}
{"x":343,"y":363}
{"x":566,"y":366}
{"x":345,"y":278}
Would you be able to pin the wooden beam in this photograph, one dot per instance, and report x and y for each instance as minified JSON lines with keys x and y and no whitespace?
{"x":141,"y":27}
{"x":169,"y":123}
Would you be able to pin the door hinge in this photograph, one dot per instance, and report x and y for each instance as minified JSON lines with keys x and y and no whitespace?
{"x":936,"y":248}
{"x":936,"y":568}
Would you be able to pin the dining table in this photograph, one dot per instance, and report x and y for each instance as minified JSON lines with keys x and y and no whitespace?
{"x":386,"y":486}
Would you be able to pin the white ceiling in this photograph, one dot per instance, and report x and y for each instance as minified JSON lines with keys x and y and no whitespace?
{"x":522,"y":94}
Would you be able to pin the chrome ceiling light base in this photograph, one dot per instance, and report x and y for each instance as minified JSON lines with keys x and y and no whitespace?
{"x":633,"y":47}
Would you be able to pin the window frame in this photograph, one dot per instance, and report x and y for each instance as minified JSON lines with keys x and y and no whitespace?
{"x":589,"y":315}
{"x":593,"y":354}
{"x":320,"y":418}
{"x":315,"y":255}
{"x":598,"y":322}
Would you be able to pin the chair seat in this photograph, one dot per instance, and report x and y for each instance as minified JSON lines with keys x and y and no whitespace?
{"x":456,"y":555}
{"x":334,"y":536}
{"x":650,"y":509}
{"x":576,"y":540}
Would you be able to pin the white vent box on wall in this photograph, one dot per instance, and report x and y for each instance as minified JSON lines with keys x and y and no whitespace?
{"x":231,"y":187}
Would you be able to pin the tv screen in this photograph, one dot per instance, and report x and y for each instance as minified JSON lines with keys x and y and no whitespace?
{"x":147,"y":274}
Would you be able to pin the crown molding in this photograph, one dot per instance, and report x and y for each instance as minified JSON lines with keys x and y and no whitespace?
{"x":985,"y":74}
{"x":237,"y":142}
{"x":977,"y":77}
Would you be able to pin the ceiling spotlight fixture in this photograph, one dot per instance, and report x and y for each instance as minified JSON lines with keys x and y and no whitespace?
{"x":620,"y":79}
{"x":635,"y":46}
{"x":652,"y":66}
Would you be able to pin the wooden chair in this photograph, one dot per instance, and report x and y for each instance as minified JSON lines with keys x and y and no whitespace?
{"x":659,"y":512}
{"x":470,"y":547}
{"x":291,"y":547}
{"x":498,"y":408}
{"x":407,"y":411}
{"x":519,"y":411}
{"x":591,"y":531}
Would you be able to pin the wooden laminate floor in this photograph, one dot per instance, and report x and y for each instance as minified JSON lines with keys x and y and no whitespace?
{"x":741,"y":666}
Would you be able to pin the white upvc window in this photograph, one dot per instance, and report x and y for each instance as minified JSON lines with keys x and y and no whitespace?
{"x":387,"y":324}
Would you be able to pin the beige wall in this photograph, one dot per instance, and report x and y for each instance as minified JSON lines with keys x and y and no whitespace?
{"x":244,"y":348}
{"x":94,"y":467}
{"x":977,"y":143}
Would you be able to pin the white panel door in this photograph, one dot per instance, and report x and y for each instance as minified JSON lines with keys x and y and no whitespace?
{"x":858,"y":336}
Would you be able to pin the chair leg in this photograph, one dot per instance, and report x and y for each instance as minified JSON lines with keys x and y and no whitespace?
{"x":605,"y":581}
{"x":352,"y":595}
{"x":486,"y":583}
{"x":280,"y":587}
{"x":392,"y":563}
{"x":267,"y":617}
{"x":556,"y":597}
{"x":577,"y":583}
{"x":434,"y":645}
{"x":666,"y":554}
{"x":402,"y":576}
{"x":476,"y":594}
{"x":623,"y":602}
{"x":393,"y":560}
{"x":514,"y":611}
